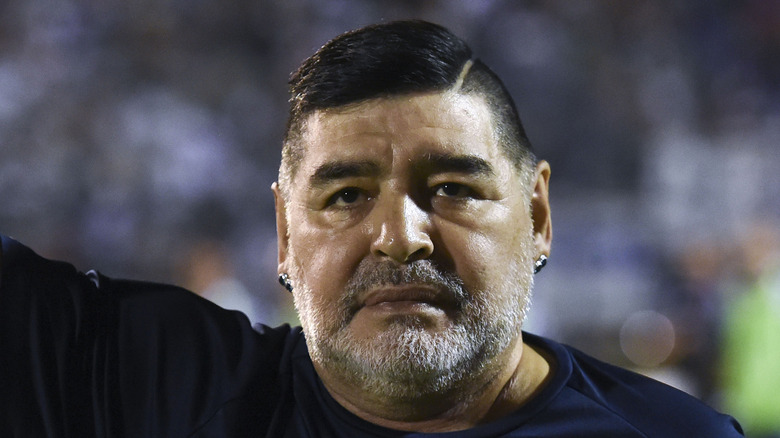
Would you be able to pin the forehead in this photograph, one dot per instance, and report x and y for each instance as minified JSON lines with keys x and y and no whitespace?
{"x":402,"y":127}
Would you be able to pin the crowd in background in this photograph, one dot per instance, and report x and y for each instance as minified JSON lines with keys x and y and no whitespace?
{"x":141,"y":139}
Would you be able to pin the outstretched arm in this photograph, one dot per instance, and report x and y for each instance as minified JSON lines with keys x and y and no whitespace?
{"x":47,"y":325}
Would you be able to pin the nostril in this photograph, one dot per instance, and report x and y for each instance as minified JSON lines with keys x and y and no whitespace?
{"x":403,"y":250}
{"x":420,"y":254}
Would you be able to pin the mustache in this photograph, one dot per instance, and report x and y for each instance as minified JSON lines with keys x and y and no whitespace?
{"x":371,"y":274}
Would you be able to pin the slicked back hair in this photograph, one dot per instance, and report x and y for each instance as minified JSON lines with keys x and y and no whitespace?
{"x":391,"y":59}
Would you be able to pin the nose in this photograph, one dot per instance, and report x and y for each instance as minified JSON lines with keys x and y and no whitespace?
{"x":403,"y":230}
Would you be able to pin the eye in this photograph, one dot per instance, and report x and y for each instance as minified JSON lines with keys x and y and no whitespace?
{"x":346,"y":197}
{"x":453,"y":190}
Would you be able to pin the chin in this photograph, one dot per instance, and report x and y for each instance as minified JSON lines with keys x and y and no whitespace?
{"x":410,"y":357}
{"x":369,"y":327}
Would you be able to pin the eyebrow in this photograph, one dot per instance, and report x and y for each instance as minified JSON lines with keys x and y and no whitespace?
{"x":334,"y":170}
{"x":431,"y":163}
{"x":468,"y":164}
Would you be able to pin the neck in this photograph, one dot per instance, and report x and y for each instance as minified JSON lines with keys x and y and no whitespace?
{"x":505,"y":385}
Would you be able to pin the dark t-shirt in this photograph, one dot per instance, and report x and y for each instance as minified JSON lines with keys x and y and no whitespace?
{"x":82,"y":355}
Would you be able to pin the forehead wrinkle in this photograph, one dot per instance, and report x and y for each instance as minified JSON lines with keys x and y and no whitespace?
{"x":380,"y":120}
{"x":335,"y":170}
{"x":460,"y":163}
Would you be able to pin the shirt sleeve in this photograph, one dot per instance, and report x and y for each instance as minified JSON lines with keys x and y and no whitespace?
{"x":83,"y":355}
{"x":47,"y":310}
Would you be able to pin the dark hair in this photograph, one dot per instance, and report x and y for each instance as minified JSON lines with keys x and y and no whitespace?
{"x":400,"y":57}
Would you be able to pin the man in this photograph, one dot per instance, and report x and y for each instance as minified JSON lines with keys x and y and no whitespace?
{"x":411,"y":218}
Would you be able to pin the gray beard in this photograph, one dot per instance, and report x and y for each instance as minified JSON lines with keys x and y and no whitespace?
{"x":408,"y":361}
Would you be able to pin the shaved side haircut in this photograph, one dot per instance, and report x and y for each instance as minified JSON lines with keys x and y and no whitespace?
{"x":391,"y":59}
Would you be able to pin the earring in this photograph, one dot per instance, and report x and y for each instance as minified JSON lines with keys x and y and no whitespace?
{"x":540,"y":263}
{"x":284,"y":280}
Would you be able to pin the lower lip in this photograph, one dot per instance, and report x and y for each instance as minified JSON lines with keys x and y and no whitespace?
{"x":394,"y":307}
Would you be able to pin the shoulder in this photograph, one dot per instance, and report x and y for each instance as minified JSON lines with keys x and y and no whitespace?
{"x":647,"y":405}
{"x":171,"y":359}
{"x":146,"y":323}
{"x":43,"y":291}
{"x":21,"y":265}
{"x":134,"y":305}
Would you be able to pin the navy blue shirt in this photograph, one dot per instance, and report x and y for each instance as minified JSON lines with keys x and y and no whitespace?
{"x":83,"y":355}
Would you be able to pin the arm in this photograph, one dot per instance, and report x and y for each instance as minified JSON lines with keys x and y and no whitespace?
{"x":44,"y":310}
{"x":85,"y":355}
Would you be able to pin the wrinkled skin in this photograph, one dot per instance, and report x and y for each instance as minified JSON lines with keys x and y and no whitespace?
{"x":410,"y":240}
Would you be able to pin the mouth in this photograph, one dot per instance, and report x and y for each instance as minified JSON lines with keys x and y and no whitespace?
{"x":405,"y":296}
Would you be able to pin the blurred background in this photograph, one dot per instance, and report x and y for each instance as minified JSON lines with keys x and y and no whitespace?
{"x":141,"y":139}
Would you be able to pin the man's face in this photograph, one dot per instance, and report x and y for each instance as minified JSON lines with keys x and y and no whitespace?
{"x":409,"y":241}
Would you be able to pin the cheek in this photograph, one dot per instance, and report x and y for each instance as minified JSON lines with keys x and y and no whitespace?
{"x":472,"y":254}
{"x":489,"y":254}
{"x":326,"y":259}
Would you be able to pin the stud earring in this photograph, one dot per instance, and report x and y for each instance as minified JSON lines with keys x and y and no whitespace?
{"x":284,"y":280}
{"x":540,"y":263}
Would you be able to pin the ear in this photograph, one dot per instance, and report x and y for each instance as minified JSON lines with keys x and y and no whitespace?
{"x":282,"y":232}
{"x":540,"y":209}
